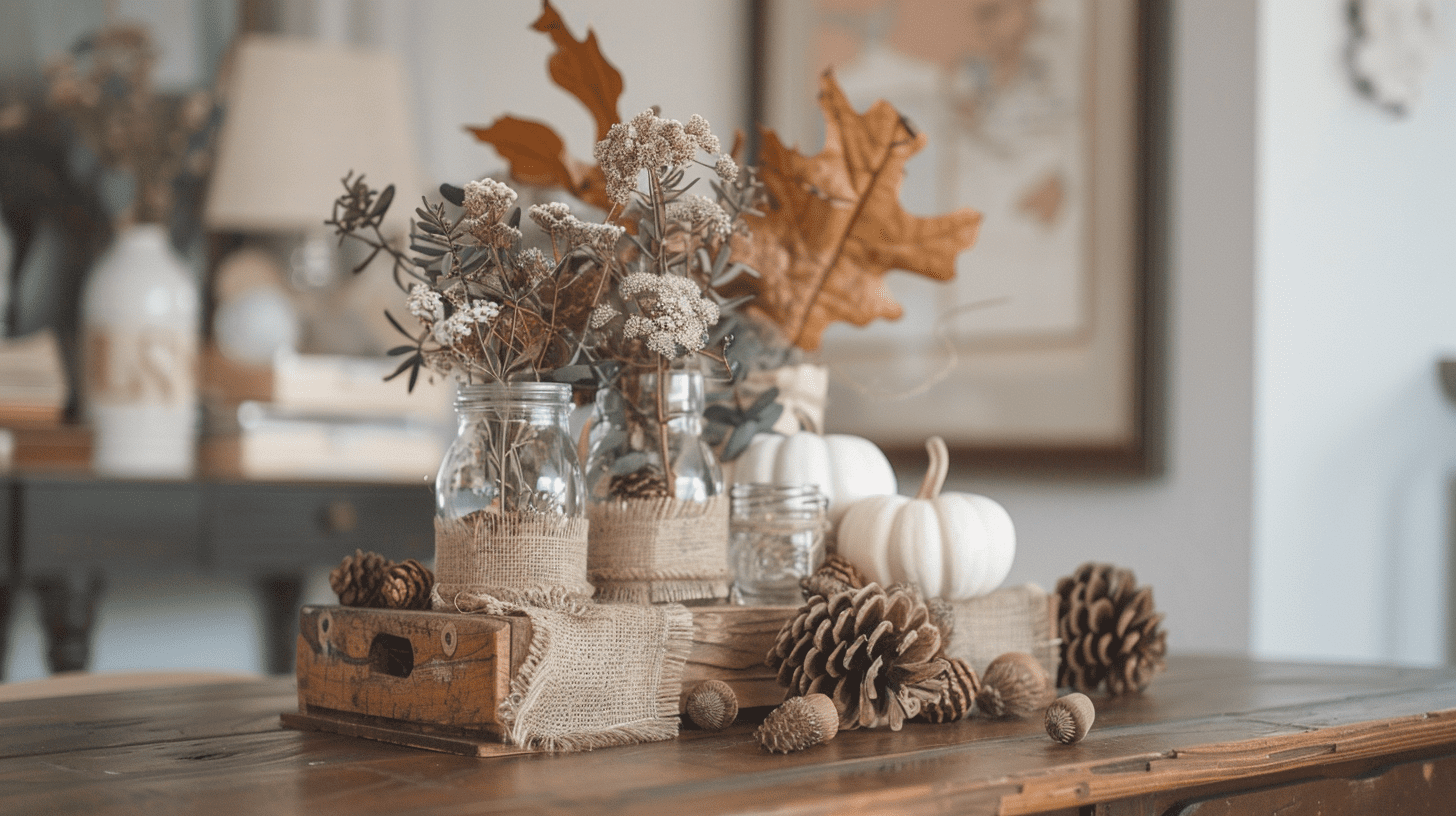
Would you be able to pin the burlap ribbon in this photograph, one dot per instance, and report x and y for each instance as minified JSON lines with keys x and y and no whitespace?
{"x":517,"y":557}
{"x":595,"y":674}
{"x":659,"y":550}
{"x":1011,"y":619}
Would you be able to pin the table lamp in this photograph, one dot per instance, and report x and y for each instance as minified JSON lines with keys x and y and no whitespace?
{"x":300,"y":114}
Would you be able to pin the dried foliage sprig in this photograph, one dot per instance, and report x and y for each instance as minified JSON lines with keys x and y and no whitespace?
{"x":158,"y":145}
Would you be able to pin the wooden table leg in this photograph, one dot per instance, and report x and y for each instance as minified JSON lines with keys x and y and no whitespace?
{"x":280,"y":596}
{"x":68,"y":615}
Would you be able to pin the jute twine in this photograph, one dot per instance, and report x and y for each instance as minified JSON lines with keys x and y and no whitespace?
{"x":520,"y":557}
{"x":659,"y":550}
{"x":1012,"y":619}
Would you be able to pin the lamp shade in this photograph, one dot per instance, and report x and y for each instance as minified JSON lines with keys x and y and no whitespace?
{"x":301,"y":114}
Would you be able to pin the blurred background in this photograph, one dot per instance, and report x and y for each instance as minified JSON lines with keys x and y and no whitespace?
{"x":1302,"y":508}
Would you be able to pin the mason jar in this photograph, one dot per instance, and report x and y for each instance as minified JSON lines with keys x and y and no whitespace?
{"x":659,"y":514}
{"x":775,"y":540}
{"x":510,"y":511}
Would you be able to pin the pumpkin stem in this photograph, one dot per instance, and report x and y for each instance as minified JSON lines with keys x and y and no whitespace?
{"x":939,"y":466}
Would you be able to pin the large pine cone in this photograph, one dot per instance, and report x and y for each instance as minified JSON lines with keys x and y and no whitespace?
{"x":1109,"y":629}
{"x":407,"y":585}
{"x":357,"y":579}
{"x":872,"y":651}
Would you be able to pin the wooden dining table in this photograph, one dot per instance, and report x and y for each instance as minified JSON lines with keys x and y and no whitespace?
{"x":1212,"y":735}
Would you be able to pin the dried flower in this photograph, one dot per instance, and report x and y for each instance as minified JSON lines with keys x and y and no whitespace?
{"x":698,"y":212}
{"x":556,"y":219}
{"x":425,"y":303}
{"x":487,"y":200}
{"x":650,"y":142}
{"x":674,"y":313}
{"x":602,"y":315}
{"x":533,"y":262}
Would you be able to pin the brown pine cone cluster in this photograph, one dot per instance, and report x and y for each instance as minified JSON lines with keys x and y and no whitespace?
{"x":873,"y":651}
{"x":835,"y":575}
{"x":369,"y":579}
{"x":1110,"y":630}
{"x":958,"y":696}
{"x":640,"y":484}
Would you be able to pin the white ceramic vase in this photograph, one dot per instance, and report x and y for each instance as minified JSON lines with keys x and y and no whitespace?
{"x":140,"y":317}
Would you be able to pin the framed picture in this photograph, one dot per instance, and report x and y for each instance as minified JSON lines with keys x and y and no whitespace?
{"x":1043,"y":115}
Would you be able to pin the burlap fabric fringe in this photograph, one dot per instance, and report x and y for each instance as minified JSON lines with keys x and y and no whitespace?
{"x":1011,"y":619}
{"x":659,"y":550}
{"x":514,"y":557}
{"x":596,"y":675}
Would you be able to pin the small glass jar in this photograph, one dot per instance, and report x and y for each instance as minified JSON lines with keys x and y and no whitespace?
{"x":510,"y":509}
{"x":776,"y":538}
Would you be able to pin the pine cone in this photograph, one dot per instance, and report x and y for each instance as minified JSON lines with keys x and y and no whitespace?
{"x":959,"y":695}
{"x":872,"y":651}
{"x":356,"y":580}
{"x":801,"y":722}
{"x":1109,"y":629}
{"x":836,"y":574}
{"x":407,"y":586}
{"x":639,"y":484}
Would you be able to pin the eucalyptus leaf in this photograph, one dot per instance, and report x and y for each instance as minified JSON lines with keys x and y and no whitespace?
{"x":738,"y":442}
{"x":398,"y":350}
{"x":381,"y":205}
{"x":719,"y":413}
{"x":578,"y":373}
{"x":454,"y":195}
{"x":629,"y":463}
{"x":764,"y":400}
{"x":434,"y":252}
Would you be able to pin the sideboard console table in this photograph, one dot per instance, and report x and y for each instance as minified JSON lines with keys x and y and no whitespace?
{"x":65,"y":532}
{"x":1211,"y":736}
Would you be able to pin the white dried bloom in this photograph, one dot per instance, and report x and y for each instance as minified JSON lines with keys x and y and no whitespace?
{"x":500,"y":236}
{"x":697,"y":212}
{"x":464,"y":320}
{"x":649,"y":142}
{"x":550,"y":216}
{"x":425,"y":303}
{"x":602,"y":315}
{"x":487,"y":200}
{"x":674,"y":312}
{"x":726,"y":168}
{"x":534,"y":263}
{"x":699,"y":129}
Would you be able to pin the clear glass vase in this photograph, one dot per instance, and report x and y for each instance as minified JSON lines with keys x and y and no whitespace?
{"x":659,"y":515}
{"x":633,"y":428}
{"x":510,"y":514}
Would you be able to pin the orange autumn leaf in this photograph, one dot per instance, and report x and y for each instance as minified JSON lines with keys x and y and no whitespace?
{"x":535,"y":153}
{"x":833,"y":226}
{"x":538,"y":156}
{"x":579,"y":67}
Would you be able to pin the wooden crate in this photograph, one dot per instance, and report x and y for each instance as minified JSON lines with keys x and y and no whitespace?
{"x":435,"y":679}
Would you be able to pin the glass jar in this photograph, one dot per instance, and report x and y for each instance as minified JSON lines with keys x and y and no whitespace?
{"x":659,"y":516}
{"x":776,"y":538}
{"x":632,"y":427}
{"x":510,"y":515}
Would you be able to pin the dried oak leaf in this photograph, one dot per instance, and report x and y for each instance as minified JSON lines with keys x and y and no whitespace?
{"x":833,"y":225}
{"x":535,"y":153}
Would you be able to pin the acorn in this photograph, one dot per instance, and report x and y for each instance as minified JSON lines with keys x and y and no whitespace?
{"x":712,"y":706}
{"x":1015,"y":685}
{"x":801,"y":722}
{"x":1070,"y":718}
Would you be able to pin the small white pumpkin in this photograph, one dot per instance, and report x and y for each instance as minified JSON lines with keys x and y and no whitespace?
{"x":846,"y":468}
{"x":953,"y":545}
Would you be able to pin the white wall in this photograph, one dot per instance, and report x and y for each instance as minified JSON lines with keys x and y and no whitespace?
{"x":1186,"y":533}
{"x":1355,"y":444}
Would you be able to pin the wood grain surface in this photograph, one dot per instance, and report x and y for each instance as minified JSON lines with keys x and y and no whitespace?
{"x":1209,"y":730}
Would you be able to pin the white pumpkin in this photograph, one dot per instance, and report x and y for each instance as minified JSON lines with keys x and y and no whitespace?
{"x":846,"y":468}
{"x":953,"y":545}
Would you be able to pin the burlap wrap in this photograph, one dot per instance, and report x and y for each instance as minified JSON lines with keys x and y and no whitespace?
{"x":516,"y":557}
{"x":659,"y":550}
{"x":1012,"y":619}
{"x":595,"y":674}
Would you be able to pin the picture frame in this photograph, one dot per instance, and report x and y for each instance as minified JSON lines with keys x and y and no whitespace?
{"x":1043,"y":355}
